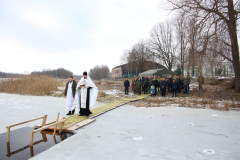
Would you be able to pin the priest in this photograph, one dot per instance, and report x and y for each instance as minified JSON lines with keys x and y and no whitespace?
{"x":86,"y":94}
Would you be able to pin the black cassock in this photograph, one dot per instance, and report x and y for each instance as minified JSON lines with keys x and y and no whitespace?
{"x":85,"y":111}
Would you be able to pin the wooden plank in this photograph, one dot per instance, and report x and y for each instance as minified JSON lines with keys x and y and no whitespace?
{"x":80,"y":124}
{"x":48,"y":132}
{"x":48,"y":122}
{"x":46,"y":127}
{"x":70,"y":125}
{"x":13,"y":125}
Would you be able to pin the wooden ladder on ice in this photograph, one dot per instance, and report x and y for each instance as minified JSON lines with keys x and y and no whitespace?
{"x":54,"y":125}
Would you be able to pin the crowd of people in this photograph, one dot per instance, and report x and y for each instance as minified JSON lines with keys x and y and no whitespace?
{"x":154,"y":84}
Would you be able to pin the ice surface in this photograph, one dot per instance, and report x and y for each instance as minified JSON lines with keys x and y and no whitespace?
{"x":129,"y":131}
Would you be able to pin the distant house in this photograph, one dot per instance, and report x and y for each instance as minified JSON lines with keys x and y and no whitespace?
{"x":222,"y":68}
{"x":131,"y":70}
{"x":163,"y":72}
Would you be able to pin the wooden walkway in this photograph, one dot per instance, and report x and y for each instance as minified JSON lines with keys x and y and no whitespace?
{"x":74,"y":122}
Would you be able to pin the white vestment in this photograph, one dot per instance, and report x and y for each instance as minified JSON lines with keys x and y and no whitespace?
{"x":70,"y":99}
{"x":81,"y":93}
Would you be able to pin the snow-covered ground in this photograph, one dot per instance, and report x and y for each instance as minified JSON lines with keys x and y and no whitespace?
{"x":130,"y":132}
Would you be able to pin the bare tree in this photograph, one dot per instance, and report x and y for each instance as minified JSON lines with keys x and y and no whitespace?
{"x":138,"y":56}
{"x":181,"y":25}
{"x":99,"y":72}
{"x":215,"y":12}
{"x":162,"y":42}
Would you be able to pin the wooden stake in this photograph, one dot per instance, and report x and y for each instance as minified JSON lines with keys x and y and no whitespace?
{"x":31,"y":150}
{"x":31,"y":140}
{"x":44,"y":137}
{"x":54,"y":132}
{"x":8,"y":149}
{"x":61,"y":127}
{"x":44,"y":120}
{"x":8,"y":134}
{"x":55,"y":140}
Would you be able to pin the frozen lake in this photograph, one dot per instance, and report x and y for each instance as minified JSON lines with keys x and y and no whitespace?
{"x":134,"y":133}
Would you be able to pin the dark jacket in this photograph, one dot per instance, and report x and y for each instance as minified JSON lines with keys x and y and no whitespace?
{"x":155,"y":83}
{"x":126,"y":84}
{"x":146,"y":82}
{"x":163,"y":83}
{"x":169,"y":82}
{"x":174,"y":85}
{"x":74,"y":86}
{"x":179,"y":82}
{"x":186,"y":82}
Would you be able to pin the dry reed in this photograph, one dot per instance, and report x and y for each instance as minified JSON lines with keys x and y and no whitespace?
{"x":102,"y":94}
{"x":30,"y":85}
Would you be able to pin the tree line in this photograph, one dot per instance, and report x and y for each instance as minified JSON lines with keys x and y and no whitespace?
{"x":6,"y":75}
{"x":200,"y":31}
{"x":58,"y":73}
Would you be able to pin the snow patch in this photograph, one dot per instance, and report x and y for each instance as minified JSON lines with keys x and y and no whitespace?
{"x":112,"y":91}
{"x":209,"y":151}
{"x":137,"y":138}
{"x":61,"y":88}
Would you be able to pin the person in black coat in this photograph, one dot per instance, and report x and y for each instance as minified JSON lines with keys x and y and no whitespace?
{"x":179,"y":82}
{"x":145,"y":85}
{"x":169,"y":84}
{"x":155,"y":83}
{"x":163,"y":85}
{"x":126,"y":85}
{"x":174,"y":88}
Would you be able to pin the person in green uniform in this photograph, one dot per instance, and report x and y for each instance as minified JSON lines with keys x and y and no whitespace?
{"x":139,"y":86}
{"x":159,"y":87}
{"x":200,"y":81}
{"x":188,"y":77}
{"x":181,"y":77}
{"x":135,"y":86}
{"x":174,"y":77}
{"x":150,"y":82}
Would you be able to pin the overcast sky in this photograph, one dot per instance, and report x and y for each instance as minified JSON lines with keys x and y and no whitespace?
{"x":73,"y":34}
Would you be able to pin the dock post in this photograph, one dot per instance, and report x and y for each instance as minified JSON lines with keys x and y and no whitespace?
{"x":54,"y":132}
